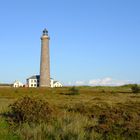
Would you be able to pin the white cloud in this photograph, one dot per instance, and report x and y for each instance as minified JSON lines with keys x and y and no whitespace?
{"x":108,"y":82}
{"x":69,"y":83}
{"x":78,"y":83}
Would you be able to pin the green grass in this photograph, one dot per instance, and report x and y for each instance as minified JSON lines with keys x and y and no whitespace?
{"x":5,"y":134}
{"x":110,"y":113}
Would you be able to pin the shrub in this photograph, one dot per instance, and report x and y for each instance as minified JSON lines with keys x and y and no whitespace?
{"x":29,"y":110}
{"x":74,"y":91}
{"x":103,"y":91}
{"x":135,"y":88}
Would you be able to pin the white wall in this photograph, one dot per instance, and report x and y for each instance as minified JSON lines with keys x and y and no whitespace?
{"x":57,"y":84}
{"x":32,"y":83}
{"x":17,"y":84}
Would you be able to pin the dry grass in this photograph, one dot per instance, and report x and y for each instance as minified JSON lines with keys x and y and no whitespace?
{"x":78,"y":115}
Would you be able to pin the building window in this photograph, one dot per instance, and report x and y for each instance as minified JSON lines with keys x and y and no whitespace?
{"x":34,"y":80}
{"x":34,"y":85}
{"x":31,"y":85}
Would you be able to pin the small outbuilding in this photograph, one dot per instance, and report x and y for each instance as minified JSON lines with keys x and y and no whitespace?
{"x":55,"y":83}
{"x":17,"y":84}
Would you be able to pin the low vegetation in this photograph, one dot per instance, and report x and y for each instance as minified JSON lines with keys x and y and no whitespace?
{"x":74,"y":91}
{"x":95,"y":113}
{"x":29,"y":110}
{"x":135,"y":88}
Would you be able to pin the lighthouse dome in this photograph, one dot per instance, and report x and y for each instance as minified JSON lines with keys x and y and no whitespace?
{"x":45,"y":32}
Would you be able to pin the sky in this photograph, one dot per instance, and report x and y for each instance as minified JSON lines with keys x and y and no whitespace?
{"x":92,"y":42}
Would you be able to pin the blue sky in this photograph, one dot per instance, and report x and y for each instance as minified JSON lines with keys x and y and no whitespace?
{"x":91,"y":40}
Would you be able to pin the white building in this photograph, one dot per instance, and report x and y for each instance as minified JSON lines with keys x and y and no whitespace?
{"x":33,"y":81}
{"x":17,"y":84}
{"x":55,"y":83}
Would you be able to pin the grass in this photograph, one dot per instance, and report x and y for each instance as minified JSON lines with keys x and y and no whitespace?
{"x":108,"y":113}
{"x":5,"y":134}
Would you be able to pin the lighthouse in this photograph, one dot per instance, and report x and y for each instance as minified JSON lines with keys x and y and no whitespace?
{"x":45,"y":60}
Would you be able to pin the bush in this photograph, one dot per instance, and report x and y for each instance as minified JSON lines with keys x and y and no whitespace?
{"x":29,"y":110}
{"x":74,"y":91}
{"x":135,"y":88}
